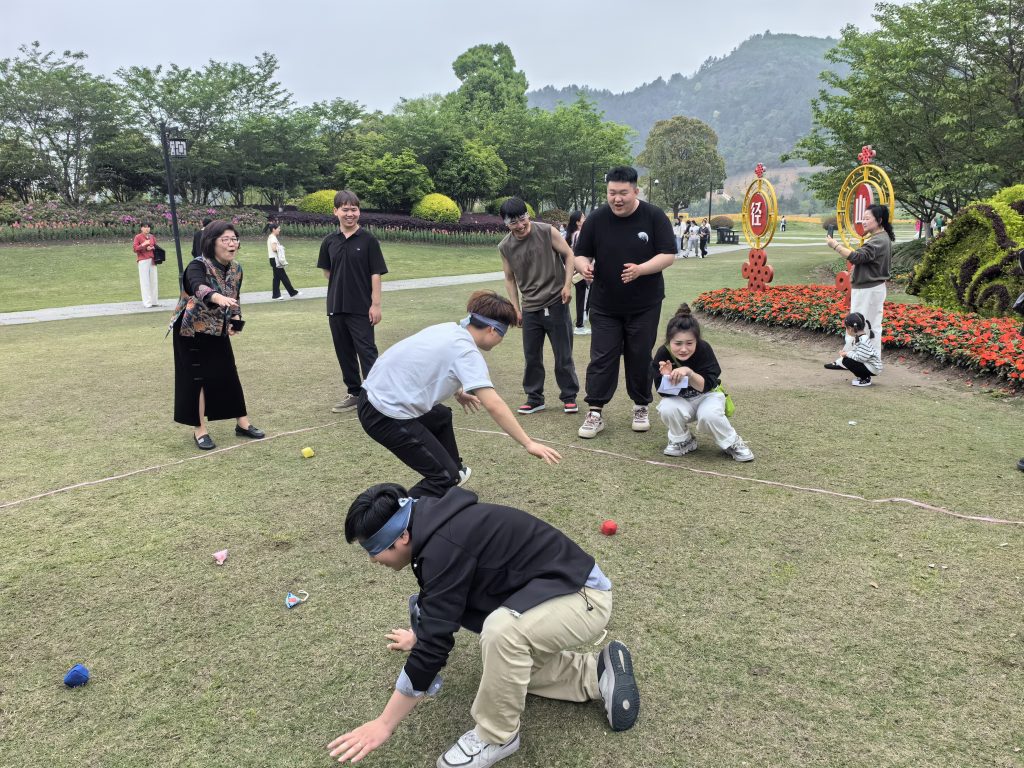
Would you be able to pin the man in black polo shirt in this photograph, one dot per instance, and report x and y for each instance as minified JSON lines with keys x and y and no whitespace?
{"x":631,"y":243}
{"x":352,"y":263}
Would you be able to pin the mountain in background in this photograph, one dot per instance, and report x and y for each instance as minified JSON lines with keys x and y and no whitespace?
{"x":758,"y":98}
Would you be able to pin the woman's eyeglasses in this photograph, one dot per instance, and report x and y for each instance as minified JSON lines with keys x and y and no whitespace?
{"x":227,"y":239}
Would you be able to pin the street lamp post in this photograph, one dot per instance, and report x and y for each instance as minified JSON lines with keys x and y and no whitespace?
{"x":173,"y":148}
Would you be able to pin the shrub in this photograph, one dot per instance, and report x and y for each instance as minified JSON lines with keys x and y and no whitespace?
{"x":552,"y":216}
{"x":318,"y":202}
{"x":494,"y":205}
{"x":437,"y":208}
{"x":829,"y":222}
{"x":906,"y":255}
{"x":972,"y":265}
{"x":722,"y":222}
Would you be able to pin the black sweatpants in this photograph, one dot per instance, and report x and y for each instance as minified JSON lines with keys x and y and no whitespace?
{"x":857,"y":368}
{"x":630,"y":336}
{"x":582,"y":301}
{"x":354,"y":346}
{"x":425,"y":445}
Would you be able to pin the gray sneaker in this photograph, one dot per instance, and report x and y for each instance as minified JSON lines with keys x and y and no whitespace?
{"x":641,"y":418}
{"x":470,"y":752}
{"x":350,"y":402}
{"x":682,"y":448}
{"x":617,"y":685}
{"x":739,"y":451}
{"x":591,"y":425}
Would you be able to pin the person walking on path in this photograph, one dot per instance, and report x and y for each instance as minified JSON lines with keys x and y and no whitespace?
{"x":144,"y":245}
{"x":631,"y":244}
{"x":871,"y":269}
{"x":538,"y":265}
{"x":275,"y":253}
{"x":576,"y":220}
{"x":528,"y":590}
{"x":352,"y":262}
{"x":402,"y":402}
{"x":206,"y":384}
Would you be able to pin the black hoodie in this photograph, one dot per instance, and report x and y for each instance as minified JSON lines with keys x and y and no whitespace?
{"x":470,"y":559}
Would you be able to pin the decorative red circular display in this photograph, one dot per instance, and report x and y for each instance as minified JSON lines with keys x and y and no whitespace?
{"x":863,"y":196}
{"x":757,"y":214}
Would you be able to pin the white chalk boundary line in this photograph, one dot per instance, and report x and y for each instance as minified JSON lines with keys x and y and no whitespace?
{"x":569,"y":446}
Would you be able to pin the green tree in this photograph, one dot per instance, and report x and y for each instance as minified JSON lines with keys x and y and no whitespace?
{"x":682,"y":154}
{"x":125,"y":163}
{"x":22,"y":170}
{"x":207,"y":106}
{"x":391,"y":182}
{"x":938,"y":91}
{"x":490,"y":82}
{"x":472,"y":173}
{"x":56,"y":106}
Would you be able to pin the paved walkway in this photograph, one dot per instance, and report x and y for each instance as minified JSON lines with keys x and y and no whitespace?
{"x":263,"y":297}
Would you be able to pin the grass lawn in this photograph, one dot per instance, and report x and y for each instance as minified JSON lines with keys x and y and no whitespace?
{"x":38,"y":276}
{"x":771,"y":626}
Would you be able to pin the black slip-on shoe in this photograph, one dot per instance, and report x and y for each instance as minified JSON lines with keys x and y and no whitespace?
{"x":254,"y":432}
{"x":204,"y":443}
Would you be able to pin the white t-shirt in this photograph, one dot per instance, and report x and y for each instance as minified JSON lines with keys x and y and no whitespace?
{"x":425,"y":369}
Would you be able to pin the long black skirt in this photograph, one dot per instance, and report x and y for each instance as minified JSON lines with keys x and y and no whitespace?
{"x":206,"y":363}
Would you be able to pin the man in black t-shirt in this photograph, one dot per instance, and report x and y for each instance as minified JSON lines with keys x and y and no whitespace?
{"x":197,"y":238}
{"x":353,"y":264}
{"x":624,"y":247}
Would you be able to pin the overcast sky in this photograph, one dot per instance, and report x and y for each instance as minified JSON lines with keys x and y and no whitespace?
{"x":378,"y":51}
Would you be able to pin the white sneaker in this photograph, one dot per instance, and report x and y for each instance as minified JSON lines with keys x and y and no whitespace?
{"x":862,"y":381}
{"x":740,"y":451}
{"x":591,"y":425}
{"x":683,"y":447}
{"x":470,"y":752}
{"x":617,"y":685}
{"x":641,"y":418}
{"x":581,"y":331}
{"x":464,"y":474}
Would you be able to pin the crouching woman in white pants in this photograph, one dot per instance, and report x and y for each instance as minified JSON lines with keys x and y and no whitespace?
{"x":688,"y":374}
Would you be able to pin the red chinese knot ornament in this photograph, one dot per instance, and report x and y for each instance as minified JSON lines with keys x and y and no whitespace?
{"x":757,"y":270}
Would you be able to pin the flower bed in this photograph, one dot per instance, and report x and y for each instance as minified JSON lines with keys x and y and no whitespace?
{"x":988,"y":345}
{"x":53,"y":221}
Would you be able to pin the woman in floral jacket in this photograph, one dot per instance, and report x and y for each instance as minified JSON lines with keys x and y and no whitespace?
{"x":205,"y":377}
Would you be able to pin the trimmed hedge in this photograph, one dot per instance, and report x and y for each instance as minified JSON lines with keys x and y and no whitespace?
{"x":722,"y":222}
{"x":973,"y":265}
{"x":321,"y":202}
{"x":437,"y":208}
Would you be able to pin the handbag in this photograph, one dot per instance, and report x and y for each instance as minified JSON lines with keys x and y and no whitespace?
{"x":730,"y":406}
{"x":159,"y":255}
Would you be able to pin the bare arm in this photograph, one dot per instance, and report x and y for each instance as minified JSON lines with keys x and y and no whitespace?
{"x":562,"y":247}
{"x":512,"y":289}
{"x":503,"y":417}
{"x":358,"y":743}
{"x":374,"y":299}
{"x":653,"y":266}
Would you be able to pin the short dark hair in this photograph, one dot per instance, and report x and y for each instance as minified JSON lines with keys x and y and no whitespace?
{"x":371,"y":509}
{"x":145,"y":224}
{"x":490,"y":304}
{"x":210,"y":234}
{"x":512,"y":208}
{"x":345,"y":197}
{"x":622,"y":173}
{"x":206,"y":220}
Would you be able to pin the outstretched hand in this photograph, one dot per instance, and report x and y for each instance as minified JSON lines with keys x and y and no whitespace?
{"x":358,"y":743}
{"x":550,"y":455}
